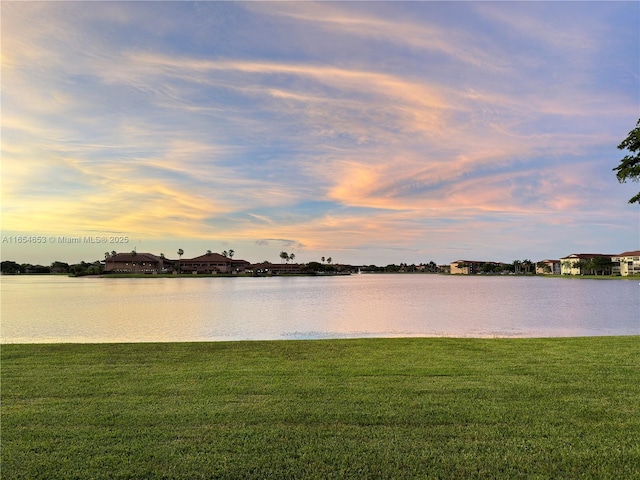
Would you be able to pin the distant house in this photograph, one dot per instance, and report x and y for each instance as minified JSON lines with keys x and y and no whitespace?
{"x":136,"y":263}
{"x":548,"y":267}
{"x":627,"y":263}
{"x":211,"y":263}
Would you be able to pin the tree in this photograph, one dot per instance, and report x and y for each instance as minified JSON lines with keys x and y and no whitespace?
{"x":583,"y":266}
{"x":314,"y":267}
{"x":284,"y":256}
{"x":133,"y":263}
{"x":209,"y":252}
{"x":292,"y":257}
{"x":516,"y":266}
{"x":601,"y":265}
{"x":8,"y":266}
{"x":629,"y":168}
{"x":545,"y":267}
{"x":230,"y":254}
{"x":225,"y":254}
{"x":567,"y":265}
{"x":180,"y":253}
{"x":59,"y":267}
{"x":488,"y":267}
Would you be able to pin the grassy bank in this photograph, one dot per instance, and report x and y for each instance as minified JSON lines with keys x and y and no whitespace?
{"x":594,"y":277}
{"x":376,"y":408}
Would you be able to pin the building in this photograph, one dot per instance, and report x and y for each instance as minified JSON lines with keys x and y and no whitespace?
{"x":211,"y":263}
{"x":471,"y":267}
{"x":587,"y":264}
{"x":267,"y":269}
{"x":134,"y":262}
{"x":548,"y":267}
{"x":627,"y":263}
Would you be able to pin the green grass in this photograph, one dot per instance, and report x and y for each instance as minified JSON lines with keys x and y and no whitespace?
{"x":376,"y":408}
{"x":594,"y":277}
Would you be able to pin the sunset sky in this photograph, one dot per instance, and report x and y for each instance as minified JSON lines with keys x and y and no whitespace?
{"x":369,"y":132}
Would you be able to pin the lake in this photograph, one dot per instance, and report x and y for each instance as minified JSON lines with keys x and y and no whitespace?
{"x":37,"y":309}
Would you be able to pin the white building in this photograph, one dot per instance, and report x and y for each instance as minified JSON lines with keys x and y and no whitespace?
{"x":627,"y":263}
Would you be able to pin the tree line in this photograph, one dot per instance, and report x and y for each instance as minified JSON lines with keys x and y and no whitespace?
{"x":83,"y":268}
{"x":594,"y":266}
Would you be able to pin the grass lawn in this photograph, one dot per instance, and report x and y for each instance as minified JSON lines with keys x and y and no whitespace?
{"x":375,"y":408}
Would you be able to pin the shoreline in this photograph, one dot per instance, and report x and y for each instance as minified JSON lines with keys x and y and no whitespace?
{"x":225,"y":275}
{"x":324,"y":339}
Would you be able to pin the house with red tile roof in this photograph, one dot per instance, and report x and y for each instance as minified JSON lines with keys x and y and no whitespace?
{"x":134,"y":262}
{"x":148,"y":263}
{"x":211,"y":263}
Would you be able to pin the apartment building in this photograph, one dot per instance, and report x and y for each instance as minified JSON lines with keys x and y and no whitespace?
{"x":627,"y":263}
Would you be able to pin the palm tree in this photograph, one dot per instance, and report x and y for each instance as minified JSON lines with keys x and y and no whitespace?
{"x":113,"y":253}
{"x":292,"y":257}
{"x":230,"y":254}
{"x":322,"y":259}
{"x":106,"y":255}
{"x":284,"y":256}
{"x":208,"y":252}
{"x":516,"y":266}
{"x":180,"y":253}
{"x":329,"y":260}
{"x":133,"y":265}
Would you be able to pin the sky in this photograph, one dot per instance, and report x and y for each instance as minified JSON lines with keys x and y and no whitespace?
{"x":368,"y":132}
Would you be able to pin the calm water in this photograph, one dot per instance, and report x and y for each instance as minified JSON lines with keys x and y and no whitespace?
{"x":61,"y":309}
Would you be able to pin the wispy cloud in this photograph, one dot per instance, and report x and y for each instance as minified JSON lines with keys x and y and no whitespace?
{"x":396,"y":126}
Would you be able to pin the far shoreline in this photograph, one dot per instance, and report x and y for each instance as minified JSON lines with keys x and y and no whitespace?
{"x":293,"y":275}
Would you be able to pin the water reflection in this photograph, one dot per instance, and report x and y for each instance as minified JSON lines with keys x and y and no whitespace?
{"x":63,"y":309}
